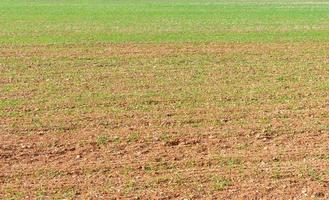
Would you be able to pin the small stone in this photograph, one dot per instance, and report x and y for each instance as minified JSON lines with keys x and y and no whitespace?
{"x":304,"y":191}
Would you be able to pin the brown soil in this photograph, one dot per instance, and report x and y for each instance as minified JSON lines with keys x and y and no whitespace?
{"x":163,"y":143}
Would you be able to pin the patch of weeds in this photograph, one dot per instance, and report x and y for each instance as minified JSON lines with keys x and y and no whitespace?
{"x":63,"y":128}
{"x":55,"y":173}
{"x":133,"y":137}
{"x":82,"y":143}
{"x":67,"y":193}
{"x":150,"y":185}
{"x":7,"y":88}
{"x":127,"y":170}
{"x":241,"y":146}
{"x":116,"y":139}
{"x":130,"y":186}
{"x":301,"y":173}
{"x":324,"y":86}
{"x":106,"y":124}
{"x":277,"y":173}
{"x":229,"y":162}
{"x":10,"y":103}
{"x":220,"y":183}
{"x":323,"y":157}
{"x":191,"y":163}
{"x":12,"y":194}
{"x":102,"y":140}
{"x":285,"y":99}
{"x":315,"y":176}
{"x":218,"y":122}
{"x":264,"y":121}
{"x":108,"y":187}
{"x":162,"y":164}
{"x":40,"y":193}
{"x":148,"y":169}
{"x":49,"y":173}
{"x":178,"y":179}
{"x":193,"y":122}
{"x":165,"y":137}
{"x":162,"y":179}
{"x":280,"y":78}
{"x":151,"y":102}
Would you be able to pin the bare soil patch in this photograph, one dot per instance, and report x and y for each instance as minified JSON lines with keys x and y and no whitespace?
{"x":165,"y":121}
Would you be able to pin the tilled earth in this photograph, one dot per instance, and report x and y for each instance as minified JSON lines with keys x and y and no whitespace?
{"x":165,"y":121}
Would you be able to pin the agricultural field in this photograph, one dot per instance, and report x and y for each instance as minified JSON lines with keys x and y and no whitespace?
{"x":164,"y":99}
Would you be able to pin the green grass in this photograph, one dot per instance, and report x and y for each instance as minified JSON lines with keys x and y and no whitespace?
{"x":102,"y":140}
{"x":220,"y":183}
{"x":45,"y":22}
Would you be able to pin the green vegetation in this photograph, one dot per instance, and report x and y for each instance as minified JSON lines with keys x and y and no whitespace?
{"x":220,"y":183}
{"x":86,"y":21}
{"x":102,"y":140}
